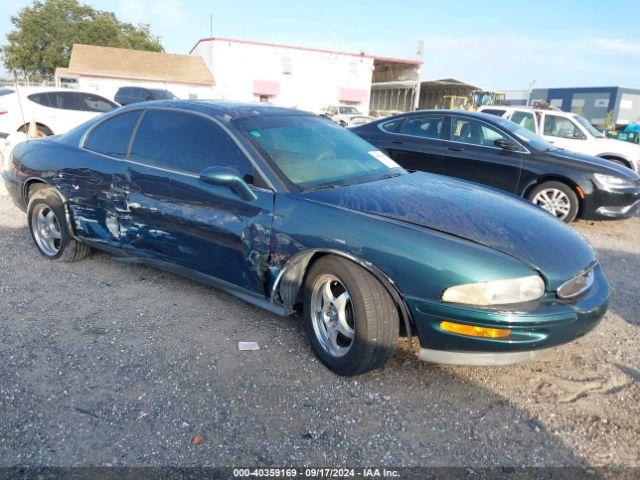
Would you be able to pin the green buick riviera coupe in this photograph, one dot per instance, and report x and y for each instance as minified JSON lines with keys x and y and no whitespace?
{"x":293,"y":213}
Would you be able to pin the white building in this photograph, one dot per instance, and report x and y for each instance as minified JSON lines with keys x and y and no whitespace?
{"x":105,"y":69}
{"x":305,"y":78}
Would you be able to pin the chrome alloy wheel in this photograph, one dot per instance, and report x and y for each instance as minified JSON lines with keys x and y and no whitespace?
{"x":46,"y":230}
{"x":332,"y":315}
{"x":554,"y":201}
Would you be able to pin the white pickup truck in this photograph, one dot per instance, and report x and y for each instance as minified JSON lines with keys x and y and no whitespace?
{"x":571,"y":132}
{"x":345,"y":116}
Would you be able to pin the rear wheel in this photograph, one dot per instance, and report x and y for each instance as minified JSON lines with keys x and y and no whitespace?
{"x":556,"y":198}
{"x":351,"y":319}
{"x":43,"y":130}
{"x":49,"y":229}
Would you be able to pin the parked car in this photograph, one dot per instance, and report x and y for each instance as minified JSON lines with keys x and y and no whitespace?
{"x":491,"y":150}
{"x":55,"y":110}
{"x":127,"y":95}
{"x":345,"y":116}
{"x":571,"y":132}
{"x":289,"y":211}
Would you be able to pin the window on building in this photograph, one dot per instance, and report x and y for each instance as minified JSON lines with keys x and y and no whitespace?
{"x":185,"y":142}
{"x":286,"y":66}
{"x":112,"y":137}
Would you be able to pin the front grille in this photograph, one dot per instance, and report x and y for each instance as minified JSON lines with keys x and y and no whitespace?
{"x":577,"y":285}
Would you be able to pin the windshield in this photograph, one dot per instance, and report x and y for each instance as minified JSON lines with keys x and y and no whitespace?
{"x":349,"y":111}
{"x":312,"y":152}
{"x":525,"y":135}
{"x":588,"y":127}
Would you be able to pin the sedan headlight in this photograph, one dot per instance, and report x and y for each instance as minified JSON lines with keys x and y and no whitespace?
{"x":611,"y":182}
{"x":496,"y":292}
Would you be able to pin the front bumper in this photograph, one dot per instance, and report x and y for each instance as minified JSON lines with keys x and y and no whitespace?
{"x":543,"y":324}
{"x":611,"y":205}
{"x":627,"y":211}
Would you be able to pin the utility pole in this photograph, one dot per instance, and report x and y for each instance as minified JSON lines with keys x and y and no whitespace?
{"x":416,"y":92}
{"x":334,"y":35}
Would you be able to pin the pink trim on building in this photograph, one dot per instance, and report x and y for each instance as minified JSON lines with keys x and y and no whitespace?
{"x":319,"y":50}
{"x":354,"y":95}
{"x":266,"y":87}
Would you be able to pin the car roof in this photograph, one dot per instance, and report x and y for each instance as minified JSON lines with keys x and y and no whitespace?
{"x":528,"y":108}
{"x":223,"y":109}
{"x":29,"y":90}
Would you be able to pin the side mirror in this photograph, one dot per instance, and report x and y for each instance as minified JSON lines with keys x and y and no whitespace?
{"x":228,"y":177}
{"x":506,"y":145}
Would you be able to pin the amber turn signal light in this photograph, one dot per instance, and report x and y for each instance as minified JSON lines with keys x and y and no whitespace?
{"x":473,"y":331}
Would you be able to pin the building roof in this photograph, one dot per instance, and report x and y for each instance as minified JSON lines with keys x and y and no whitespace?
{"x":110,"y":62}
{"x":318,"y":50}
{"x":64,"y":72}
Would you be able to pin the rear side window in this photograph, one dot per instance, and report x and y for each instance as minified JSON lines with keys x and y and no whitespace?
{"x":5,"y":91}
{"x":96,"y":103}
{"x":524,"y":119}
{"x":494,"y":111}
{"x":40,"y":99}
{"x":185,"y":142}
{"x":64,"y":100}
{"x":426,"y":126}
{"x":112,"y":137}
{"x":391,"y":126}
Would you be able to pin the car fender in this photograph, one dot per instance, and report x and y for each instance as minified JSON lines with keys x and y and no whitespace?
{"x":286,"y":288}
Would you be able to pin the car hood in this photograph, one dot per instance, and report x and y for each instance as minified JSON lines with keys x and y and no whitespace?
{"x":595,"y":164}
{"x":473,"y":212}
{"x":618,"y":146}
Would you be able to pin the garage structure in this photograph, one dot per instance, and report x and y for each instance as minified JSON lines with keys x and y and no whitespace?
{"x":306,"y":78}
{"x":105,"y":69}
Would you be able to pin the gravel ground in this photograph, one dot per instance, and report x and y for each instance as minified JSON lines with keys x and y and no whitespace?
{"x":104,"y":363}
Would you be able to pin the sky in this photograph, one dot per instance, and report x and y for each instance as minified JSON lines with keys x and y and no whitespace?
{"x":494,"y":44}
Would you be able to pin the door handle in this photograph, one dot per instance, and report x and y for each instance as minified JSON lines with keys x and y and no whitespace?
{"x":398,"y":142}
{"x":456,"y":149}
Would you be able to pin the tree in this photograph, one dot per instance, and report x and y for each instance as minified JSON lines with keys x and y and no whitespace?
{"x":45,"y":32}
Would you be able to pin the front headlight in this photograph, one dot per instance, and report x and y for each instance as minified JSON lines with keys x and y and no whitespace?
{"x":611,"y":182}
{"x":496,"y":292}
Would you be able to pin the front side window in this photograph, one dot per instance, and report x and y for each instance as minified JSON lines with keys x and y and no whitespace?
{"x":524,"y":119}
{"x":588,"y":127}
{"x":64,"y":100}
{"x":311,"y":152}
{"x":473,"y":132}
{"x":426,"y":126}
{"x":96,"y":103}
{"x":556,"y":126}
{"x":185,"y":142}
{"x":112,"y":137}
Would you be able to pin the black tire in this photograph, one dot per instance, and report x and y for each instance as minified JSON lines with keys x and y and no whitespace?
{"x":617,"y":161}
{"x":42,"y":129}
{"x":574,"y":203}
{"x":374,"y":316}
{"x":42,"y":198}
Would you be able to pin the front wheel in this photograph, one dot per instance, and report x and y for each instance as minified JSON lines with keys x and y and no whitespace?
{"x":49,"y":229}
{"x":351,"y":319}
{"x":556,"y":198}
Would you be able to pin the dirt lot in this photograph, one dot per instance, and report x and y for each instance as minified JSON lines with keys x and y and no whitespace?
{"x":103,"y":363}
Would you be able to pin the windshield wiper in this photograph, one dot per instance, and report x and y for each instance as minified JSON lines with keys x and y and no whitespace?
{"x":322,"y":186}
